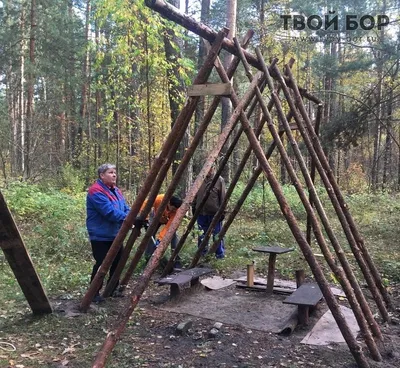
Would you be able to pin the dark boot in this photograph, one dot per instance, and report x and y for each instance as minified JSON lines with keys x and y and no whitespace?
{"x":97,"y":299}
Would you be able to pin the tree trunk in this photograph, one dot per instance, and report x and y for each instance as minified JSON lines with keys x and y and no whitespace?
{"x":84,"y":113}
{"x":97,"y":148}
{"x":387,"y":158}
{"x":11,"y":98}
{"x":379,"y":113}
{"x":30,"y":95}
{"x":176,"y":91}
{"x":225,"y":101}
{"x":199,"y":114}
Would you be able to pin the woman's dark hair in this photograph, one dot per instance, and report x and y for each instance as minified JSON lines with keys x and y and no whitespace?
{"x":175,"y":201}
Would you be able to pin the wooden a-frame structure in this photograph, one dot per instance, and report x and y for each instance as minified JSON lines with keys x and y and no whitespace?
{"x":268,"y":83}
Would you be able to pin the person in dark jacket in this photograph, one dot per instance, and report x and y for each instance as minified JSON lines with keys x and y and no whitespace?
{"x":210,"y":208}
{"x":106,"y":209}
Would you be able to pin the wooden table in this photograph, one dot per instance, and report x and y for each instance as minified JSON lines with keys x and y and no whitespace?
{"x":273,"y":252}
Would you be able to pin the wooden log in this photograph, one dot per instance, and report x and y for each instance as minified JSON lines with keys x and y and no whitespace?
{"x":315,"y":224}
{"x":250,"y":275}
{"x":20,"y":262}
{"x":160,"y":166}
{"x":207,"y":89}
{"x":301,"y":240}
{"x":232,"y":122}
{"x":229,"y":192}
{"x":300,"y":277}
{"x":195,"y":142}
{"x":141,"y":285}
{"x":322,"y":165}
{"x":251,"y":182}
{"x":172,"y":13}
{"x":342,"y":276}
{"x":355,"y":239}
{"x":191,"y":105}
{"x":271,"y":273}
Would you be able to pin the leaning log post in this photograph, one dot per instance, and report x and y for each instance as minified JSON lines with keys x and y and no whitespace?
{"x":129,"y":220}
{"x":179,"y":126}
{"x":355,"y":295}
{"x":137,"y":292}
{"x":156,"y":185}
{"x":152,"y":193}
{"x":232,"y":122}
{"x":305,"y":247}
{"x":20,"y":262}
{"x":161,"y":176}
{"x":363,"y":251}
{"x":173,"y":184}
{"x":235,"y":179}
{"x":195,"y":141}
{"x":323,"y":168}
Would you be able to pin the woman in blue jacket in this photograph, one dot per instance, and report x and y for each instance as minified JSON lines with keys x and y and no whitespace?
{"x":106,"y":209}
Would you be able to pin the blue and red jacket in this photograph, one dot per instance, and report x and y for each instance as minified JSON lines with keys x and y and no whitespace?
{"x":106,"y":209}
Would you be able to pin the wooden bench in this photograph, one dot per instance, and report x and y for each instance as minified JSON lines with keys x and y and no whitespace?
{"x":306,"y":296}
{"x":177,"y":281}
{"x":273,"y":252}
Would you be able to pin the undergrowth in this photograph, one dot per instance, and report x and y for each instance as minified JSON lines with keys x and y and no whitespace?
{"x":52,"y":225}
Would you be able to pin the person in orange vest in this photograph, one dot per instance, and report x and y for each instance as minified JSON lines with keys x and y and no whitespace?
{"x":165,"y":221}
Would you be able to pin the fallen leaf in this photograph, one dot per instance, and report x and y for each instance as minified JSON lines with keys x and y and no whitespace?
{"x":68,"y":350}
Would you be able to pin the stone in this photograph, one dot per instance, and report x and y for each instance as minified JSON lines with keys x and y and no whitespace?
{"x":213,"y":333}
{"x":183,"y":327}
{"x":217,"y":325}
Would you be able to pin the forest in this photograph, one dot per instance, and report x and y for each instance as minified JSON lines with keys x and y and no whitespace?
{"x":87,"y":82}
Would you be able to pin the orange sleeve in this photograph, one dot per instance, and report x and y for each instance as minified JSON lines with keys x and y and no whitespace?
{"x":166,"y":226}
{"x":157,"y":202}
{"x":143,"y":206}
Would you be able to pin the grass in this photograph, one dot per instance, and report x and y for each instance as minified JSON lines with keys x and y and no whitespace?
{"x":52,"y":224}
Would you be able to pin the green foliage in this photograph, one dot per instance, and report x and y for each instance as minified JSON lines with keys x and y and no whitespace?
{"x":52,"y":225}
{"x":261,"y":201}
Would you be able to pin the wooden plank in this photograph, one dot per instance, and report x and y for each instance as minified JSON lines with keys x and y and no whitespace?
{"x":277,"y":290}
{"x":177,"y":279}
{"x":293,"y":126}
{"x":273,"y":249}
{"x":307,"y":294}
{"x":196,"y":272}
{"x":185,"y":276}
{"x":271,"y":272}
{"x":20,"y":262}
{"x":210,"y":89}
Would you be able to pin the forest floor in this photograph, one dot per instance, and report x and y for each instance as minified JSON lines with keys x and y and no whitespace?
{"x":68,"y":338}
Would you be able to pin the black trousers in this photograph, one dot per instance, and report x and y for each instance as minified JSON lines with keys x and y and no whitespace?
{"x":100,"y":250}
